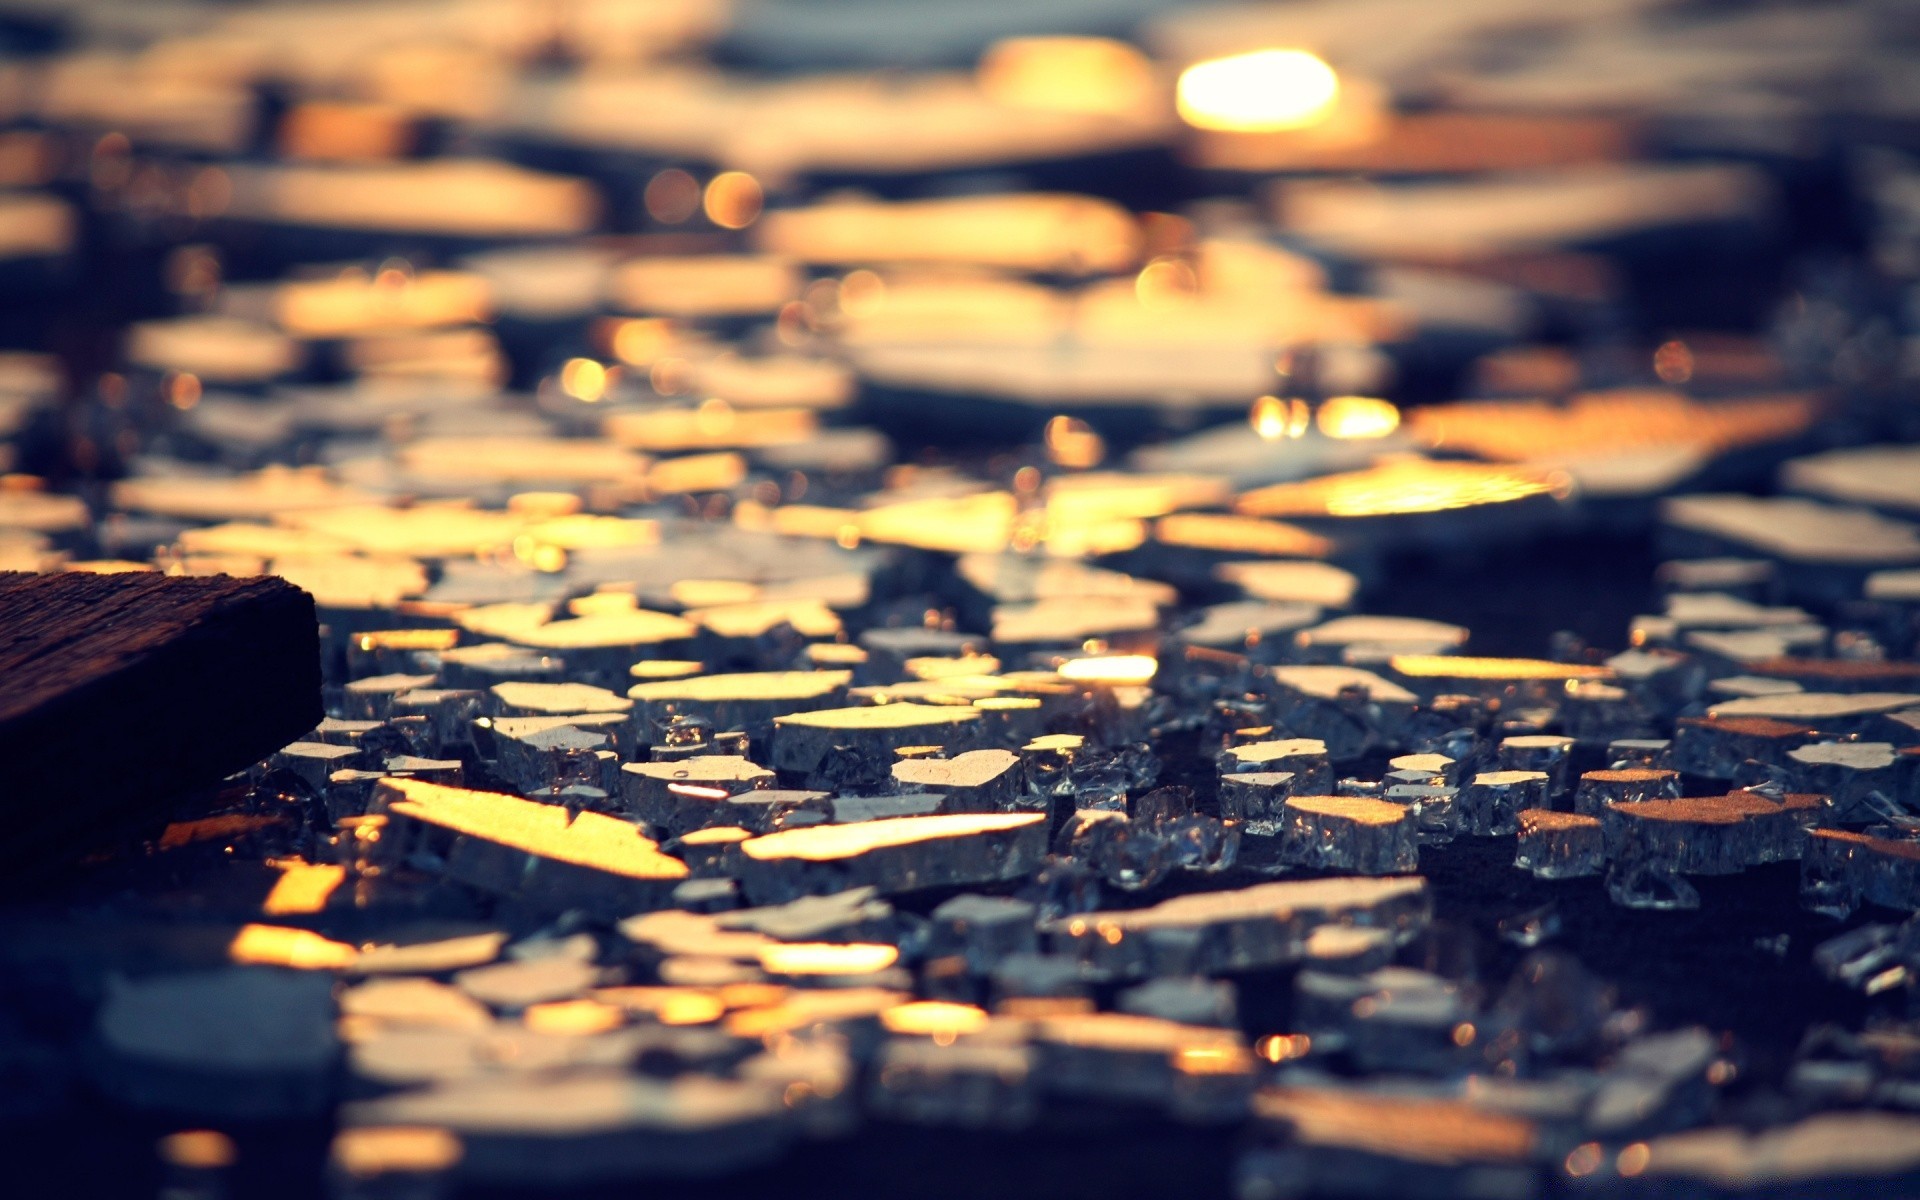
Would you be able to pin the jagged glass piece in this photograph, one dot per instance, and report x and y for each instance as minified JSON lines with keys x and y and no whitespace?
{"x":983,"y":929}
{"x":1710,"y":835}
{"x":1491,"y":804}
{"x":1650,"y":883}
{"x":1841,"y":869}
{"x":1651,"y":753}
{"x":550,"y":759}
{"x":1625,"y":785}
{"x":1559,"y":845}
{"x":1305,"y":758}
{"x":968,"y":1082}
{"x":1394,"y":1018}
{"x":1256,"y":800}
{"x":1554,"y":1005}
{"x":1129,"y":856}
{"x":1350,"y":833}
{"x":1187,"y":1000}
{"x":1436,"y":810}
{"x":1245,"y":928}
{"x":1657,"y":1081}
{"x":1201,"y":843}
{"x":1039,"y":976}
{"x":1871,"y":958}
{"x":1529,"y":929}
{"x":1062,"y":887}
{"x":1850,"y":772}
{"x":1546,"y":753}
{"x":1101,"y":778}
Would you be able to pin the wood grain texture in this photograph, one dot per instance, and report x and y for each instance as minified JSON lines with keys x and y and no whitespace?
{"x":118,"y":692}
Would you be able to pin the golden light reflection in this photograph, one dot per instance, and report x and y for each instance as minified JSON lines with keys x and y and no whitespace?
{"x":197,"y":1149}
{"x":1273,"y":418}
{"x":1673,"y":362}
{"x":828,"y":958}
{"x":1065,"y":74}
{"x":934,"y":1018}
{"x":589,"y":839}
{"x":642,"y":340}
{"x":1611,"y":421}
{"x":282,"y":946}
{"x":734,"y":200}
{"x":584,"y":380}
{"x":1072,"y":443}
{"x":1213,"y":1060}
{"x":1583,"y":1159}
{"x":384,"y":1149}
{"x":303,"y":887}
{"x":1401,"y":488}
{"x":1165,"y":282}
{"x":1357,"y":417}
{"x":1111,"y":668}
{"x":1280,"y":1047}
{"x":1264,"y":91}
{"x":573,"y":1018}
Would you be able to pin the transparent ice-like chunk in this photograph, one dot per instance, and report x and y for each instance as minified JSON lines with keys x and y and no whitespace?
{"x":1350,"y":833}
{"x":1559,"y":845}
{"x":1491,"y":804}
{"x":968,"y":1082}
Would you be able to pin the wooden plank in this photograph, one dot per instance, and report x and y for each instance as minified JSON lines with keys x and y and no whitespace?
{"x":119,"y":692}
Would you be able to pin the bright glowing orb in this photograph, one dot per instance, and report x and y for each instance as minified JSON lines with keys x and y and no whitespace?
{"x":1265,"y":91}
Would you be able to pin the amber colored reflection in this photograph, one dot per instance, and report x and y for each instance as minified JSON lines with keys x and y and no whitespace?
{"x":1399,"y":488}
{"x":1446,"y":666}
{"x":573,"y":1018}
{"x":934,"y":1018}
{"x":828,"y":958}
{"x":1066,"y":74}
{"x":1111,"y":668}
{"x":281,"y":946}
{"x":1357,"y":417}
{"x":1611,"y":421}
{"x":734,"y":200}
{"x":1259,"y":92}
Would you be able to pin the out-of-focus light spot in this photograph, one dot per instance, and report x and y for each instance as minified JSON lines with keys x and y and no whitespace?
{"x":1583,"y":1160}
{"x":303,"y":888}
{"x":1273,"y":418}
{"x":584,"y":379}
{"x":734,"y":199}
{"x":1357,"y":417}
{"x":862,"y":294}
{"x":1072,"y":443}
{"x":932,"y":1018}
{"x":209,"y":194}
{"x":672,"y":196}
{"x":391,"y":1150}
{"x":573,"y":1018}
{"x":1224,"y":1059}
{"x":1111,"y":668}
{"x":1673,"y":362}
{"x":669,"y":376}
{"x":282,"y":946}
{"x":1065,"y":74}
{"x":828,"y":958}
{"x":183,"y":391}
{"x":197,"y":1150}
{"x":1280,"y":1047}
{"x":1264,"y":91}
{"x":1165,"y":282}
{"x":715,"y":417}
{"x":1634,"y":1159}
